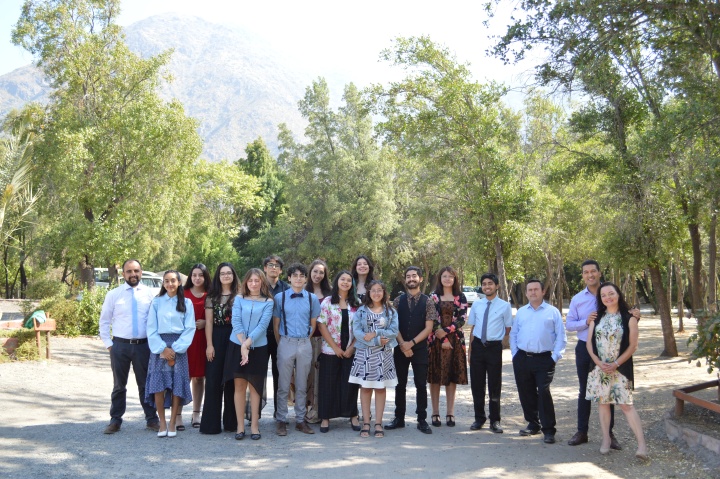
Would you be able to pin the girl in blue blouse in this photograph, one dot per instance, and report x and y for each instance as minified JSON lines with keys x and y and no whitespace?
{"x":170,"y":330}
{"x":247,"y":355}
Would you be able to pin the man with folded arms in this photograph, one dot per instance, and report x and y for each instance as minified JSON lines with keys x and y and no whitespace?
{"x":537,"y":343}
{"x":125,"y":310}
{"x":490,"y":320}
{"x":294,"y":322}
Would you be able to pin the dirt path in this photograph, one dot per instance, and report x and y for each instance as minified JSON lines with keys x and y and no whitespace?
{"x":54,"y":413}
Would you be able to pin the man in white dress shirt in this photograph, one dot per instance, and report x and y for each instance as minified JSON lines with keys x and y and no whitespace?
{"x":125,"y":310}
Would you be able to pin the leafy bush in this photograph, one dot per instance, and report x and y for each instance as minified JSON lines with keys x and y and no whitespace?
{"x":89,"y":310}
{"x":707,"y":341}
{"x":27,"y":347}
{"x":65,"y":313}
{"x":42,"y":288}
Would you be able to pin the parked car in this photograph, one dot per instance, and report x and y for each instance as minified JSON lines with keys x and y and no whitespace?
{"x":148,"y":278}
{"x":471,"y":294}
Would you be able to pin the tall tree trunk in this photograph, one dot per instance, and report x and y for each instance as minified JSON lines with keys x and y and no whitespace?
{"x":712,"y":260}
{"x":697,"y":290}
{"x":665,"y":318}
{"x":86,"y":271}
{"x":500,"y":260}
{"x":113,"y":274}
{"x":648,"y":292}
{"x":680,"y":298}
{"x":670,"y":275}
{"x":7,"y":272}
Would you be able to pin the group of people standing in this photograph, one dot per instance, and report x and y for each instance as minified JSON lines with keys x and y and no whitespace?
{"x":330,"y":342}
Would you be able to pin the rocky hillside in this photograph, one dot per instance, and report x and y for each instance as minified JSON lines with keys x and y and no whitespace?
{"x":232,"y":83}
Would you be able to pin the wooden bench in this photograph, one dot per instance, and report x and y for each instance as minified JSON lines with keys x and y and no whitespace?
{"x":683,"y":394}
{"x":47,"y":326}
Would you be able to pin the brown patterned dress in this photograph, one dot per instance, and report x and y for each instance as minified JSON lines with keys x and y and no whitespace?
{"x":448,"y":365}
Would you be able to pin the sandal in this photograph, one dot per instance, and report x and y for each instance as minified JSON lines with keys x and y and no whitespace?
{"x":379,"y":433}
{"x":449,"y":419}
{"x":436,"y":422}
{"x":194,"y":423}
{"x":365,"y":432}
{"x":180,"y":427}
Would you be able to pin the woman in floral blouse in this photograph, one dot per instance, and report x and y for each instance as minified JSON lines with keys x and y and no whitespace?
{"x":338,"y":397}
{"x":448,"y":359}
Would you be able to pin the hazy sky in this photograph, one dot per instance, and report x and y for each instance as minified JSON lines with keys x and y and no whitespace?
{"x":339,"y":39}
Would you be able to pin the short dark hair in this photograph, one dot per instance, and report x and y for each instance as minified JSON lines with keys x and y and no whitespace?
{"x":130,"y":261}
{"x":589,"y":262}
{"x":491,"y":276}
{"x":273,"y":257}
{"x":413,"y":268}
{"x":297,"y":267}
{"x":533,"y":280}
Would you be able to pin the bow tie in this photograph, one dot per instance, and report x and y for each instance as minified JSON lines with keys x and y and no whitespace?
{"x":296,"y":295}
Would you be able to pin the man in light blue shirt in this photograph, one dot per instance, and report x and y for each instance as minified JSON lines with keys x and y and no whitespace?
{"x":537,"y":343}
{"x":491,"y":319}
{"x":294,"y":318}
{"x":125,"y":310}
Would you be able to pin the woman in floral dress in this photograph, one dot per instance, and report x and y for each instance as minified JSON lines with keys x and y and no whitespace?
{"x":614,"y":334}
{"x":448,"y":359}
{"x":337,"y":396}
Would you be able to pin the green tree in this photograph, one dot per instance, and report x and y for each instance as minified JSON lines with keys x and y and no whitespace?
{"x":115,"y":160}
{"x":465,"y":139}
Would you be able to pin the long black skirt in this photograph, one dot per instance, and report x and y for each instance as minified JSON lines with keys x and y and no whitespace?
{"x":254,"y":372}
{"x":336,"y":396}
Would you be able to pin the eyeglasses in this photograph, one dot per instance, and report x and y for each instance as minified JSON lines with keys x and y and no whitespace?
{"x":297,"y":275}
{"x":226,"y":273}
{"x":272,"y":265}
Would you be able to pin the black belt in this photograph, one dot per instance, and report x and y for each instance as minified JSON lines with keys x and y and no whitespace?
{"x":130,"y":341}
{"x":544,"y":353}
{"x":475,"y":338}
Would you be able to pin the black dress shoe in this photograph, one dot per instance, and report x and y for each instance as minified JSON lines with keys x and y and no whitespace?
{"x":395,"y":423}
{"x":423,"y":426}
{"x":549,"y":439}
{"x":324,"y":428}
{"x":614,"y":444}
{"x":477,"y":425}
{"x":436,"y":422}
{"x":255,"y":437}
{"x":240,"y":436}
{"x":355,"y":427}
{"x":528,"y":431}
{"x":579,"y":438}
{"x":495,"y":427}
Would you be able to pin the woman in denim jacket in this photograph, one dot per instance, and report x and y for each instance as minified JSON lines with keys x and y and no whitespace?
{"x":375,"y":327}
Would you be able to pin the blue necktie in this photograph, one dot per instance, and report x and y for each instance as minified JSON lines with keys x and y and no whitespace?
{"x":483,"y":335}
{"x":135,"y":331}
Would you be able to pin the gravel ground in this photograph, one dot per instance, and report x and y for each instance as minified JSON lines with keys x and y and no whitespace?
{"x":54,"y":414}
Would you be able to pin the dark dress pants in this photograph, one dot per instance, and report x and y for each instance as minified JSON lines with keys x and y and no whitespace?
{"x":583,"y":363}
{"x":122,"y":356}
{"x":486,"y":361}
{"x":272,"y":355}
{"x":533,"y":375}
{"x":419,"y":361}
{"x":216,"y":390}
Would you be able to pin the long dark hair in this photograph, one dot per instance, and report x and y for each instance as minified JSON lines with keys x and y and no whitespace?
{"x":324,"y":284}
{"x":352,"y":298}
{"x":216,"y":287}
{"x":440,"y":289}
{"x":206,"y":276}
{"x":371,"y":273}
{"x":622,"y":305}
{"x":180,"y":291}
{"x":264,"y":288}
{"x":385,"y":301}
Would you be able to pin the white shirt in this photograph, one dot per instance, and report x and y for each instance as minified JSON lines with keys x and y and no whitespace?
{"x":117,"y":312}
{"x":499,"y":318}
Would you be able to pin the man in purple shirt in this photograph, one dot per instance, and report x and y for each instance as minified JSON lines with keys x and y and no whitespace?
{"x":582,"y":311}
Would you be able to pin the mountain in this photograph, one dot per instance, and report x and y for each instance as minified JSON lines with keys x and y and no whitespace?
{"x":233,"y":83}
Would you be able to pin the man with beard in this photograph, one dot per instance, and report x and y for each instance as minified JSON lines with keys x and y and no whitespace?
{"x":126,"y":310}
{"x":416,"y":316}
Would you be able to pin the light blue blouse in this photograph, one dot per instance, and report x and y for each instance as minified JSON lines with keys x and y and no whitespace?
{"x":251,"y":318}
{"x":164,"y":318}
